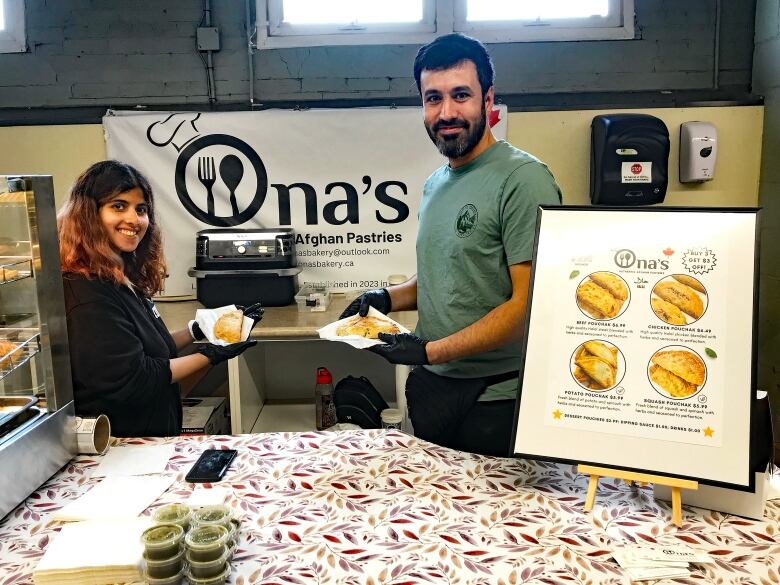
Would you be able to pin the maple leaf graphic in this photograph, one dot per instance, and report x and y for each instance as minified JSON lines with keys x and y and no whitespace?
{"x":668,"y":252}
{"x":494,"y":117}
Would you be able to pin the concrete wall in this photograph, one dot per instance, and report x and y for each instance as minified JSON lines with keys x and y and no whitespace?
{"x":766,"y":79}
{"x":104,"y":52}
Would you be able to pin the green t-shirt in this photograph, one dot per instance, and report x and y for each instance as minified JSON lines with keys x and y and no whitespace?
{"x":476,"y":221}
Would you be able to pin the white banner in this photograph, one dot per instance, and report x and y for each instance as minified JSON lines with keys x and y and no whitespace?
{"x":348,"y":181}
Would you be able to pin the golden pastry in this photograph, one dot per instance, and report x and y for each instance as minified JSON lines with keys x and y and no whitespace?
{"x":584,"y":379}
{"x":690,"y":281}
{"x":674,"y":385}
{"x":6,"y":347}
{"x":9,"y":273}
{"x":682,"y":296}
{"x":228,"y":326}
{"x":668,"y":312}
{"x":684,"y":364}
{"x":368,"y":327}
{"x":612,"y":282}
{"x":602,"y":351}
{"x":597,"y":301}
{"x":598,"y":370}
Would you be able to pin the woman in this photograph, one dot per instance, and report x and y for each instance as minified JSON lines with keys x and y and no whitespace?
{"x":123,"y":359}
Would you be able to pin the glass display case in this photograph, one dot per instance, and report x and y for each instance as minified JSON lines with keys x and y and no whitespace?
{"x":36,"y":397}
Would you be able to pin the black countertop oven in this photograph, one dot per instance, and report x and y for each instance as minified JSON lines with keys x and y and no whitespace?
{"x":243,"y":266}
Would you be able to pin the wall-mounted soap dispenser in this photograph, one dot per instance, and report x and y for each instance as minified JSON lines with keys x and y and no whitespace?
{"x":698,"y":151}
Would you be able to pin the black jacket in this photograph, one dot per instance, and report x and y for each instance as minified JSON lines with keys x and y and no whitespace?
{"x":119,"y":354}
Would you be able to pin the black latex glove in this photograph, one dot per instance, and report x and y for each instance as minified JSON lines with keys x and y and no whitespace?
{"x":196,"y":331}
{"x":402,"y":348}
{"x":378,"y":298}
{"x":254,"y":312}
{"x":220,"y":353}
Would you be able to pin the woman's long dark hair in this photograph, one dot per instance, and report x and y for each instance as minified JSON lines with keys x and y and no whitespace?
{"x":84,"y":245}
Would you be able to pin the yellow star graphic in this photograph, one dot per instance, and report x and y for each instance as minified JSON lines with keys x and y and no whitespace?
{"x":708,"y":431}
{"x":557,"y":414}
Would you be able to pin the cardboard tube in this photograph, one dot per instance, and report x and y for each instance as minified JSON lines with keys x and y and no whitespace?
{"x":93,"y":435}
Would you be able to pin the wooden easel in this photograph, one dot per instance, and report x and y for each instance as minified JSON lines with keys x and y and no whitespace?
{"x":640,"y":478}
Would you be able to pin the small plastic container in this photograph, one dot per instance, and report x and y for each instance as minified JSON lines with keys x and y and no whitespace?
{"x":206,"y":543}
{"x":215,"y":580}
{"x":164,"y":568}
{"x":234,"y":528}
{"x":172,"y":580}
{"x":312,"y":298}
{"x":217,"y":515}
{"x":391,"y":418}
{"x":207,"y":569}
{"x":173,"y":514}
{"x":162,"y":541}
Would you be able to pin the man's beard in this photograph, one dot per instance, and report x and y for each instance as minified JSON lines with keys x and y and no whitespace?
{"x":454,"y":147}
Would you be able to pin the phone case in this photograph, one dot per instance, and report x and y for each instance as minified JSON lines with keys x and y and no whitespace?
{"x":211,"y":466}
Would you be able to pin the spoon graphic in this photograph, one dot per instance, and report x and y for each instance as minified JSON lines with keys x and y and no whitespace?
{"x":231,"y":170}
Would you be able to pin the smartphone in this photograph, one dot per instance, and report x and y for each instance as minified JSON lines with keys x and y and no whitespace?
{"x":211,"y":466}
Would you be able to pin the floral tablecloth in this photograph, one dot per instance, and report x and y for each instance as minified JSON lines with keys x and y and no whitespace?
{"x":376,"y":507}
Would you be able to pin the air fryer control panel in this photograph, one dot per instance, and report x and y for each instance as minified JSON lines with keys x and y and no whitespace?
{"x":218,"y":248}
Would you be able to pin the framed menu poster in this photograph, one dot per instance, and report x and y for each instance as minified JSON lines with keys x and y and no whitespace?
{"x":640,"y":339}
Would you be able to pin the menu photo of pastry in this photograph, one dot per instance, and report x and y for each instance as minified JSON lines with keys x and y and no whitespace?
{"x":602,"y":295}
{"x":679,"y":299}
{"x":677,"y":372}
{"x":597,"y":365}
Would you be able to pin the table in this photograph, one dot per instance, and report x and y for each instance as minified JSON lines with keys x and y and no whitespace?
{"x":247,"y":395}
{"x":382,"y":507}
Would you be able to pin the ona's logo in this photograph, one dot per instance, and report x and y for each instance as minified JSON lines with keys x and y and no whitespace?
{"x":466,"y":222}
{"x":626,"y":258}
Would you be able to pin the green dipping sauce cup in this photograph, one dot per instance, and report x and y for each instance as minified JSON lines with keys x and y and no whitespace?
{"x":218,"y":515}
{"x":162,"y":541}
{"x":206,"y":543}
{"x":165,"y":568}
{"x":173,"y":514}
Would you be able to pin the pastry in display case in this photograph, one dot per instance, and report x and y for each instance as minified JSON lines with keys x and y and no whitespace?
{"x":36,"y":396}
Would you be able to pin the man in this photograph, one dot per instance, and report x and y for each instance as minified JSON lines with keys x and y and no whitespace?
{"x":474,"y":245}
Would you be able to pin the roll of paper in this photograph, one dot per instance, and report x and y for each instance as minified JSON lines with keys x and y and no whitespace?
{"x":93,"y":435}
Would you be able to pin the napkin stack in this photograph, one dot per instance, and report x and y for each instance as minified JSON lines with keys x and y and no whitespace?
{"x":94,"y":553}
{"x":643,"y":563}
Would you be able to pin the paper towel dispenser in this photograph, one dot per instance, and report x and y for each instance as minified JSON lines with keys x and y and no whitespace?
{"x":629,"y":156}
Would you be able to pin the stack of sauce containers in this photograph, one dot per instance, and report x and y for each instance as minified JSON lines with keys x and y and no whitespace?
{"x":197,"y":544}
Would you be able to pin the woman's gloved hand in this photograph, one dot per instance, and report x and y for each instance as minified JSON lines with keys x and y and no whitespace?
{"x":220,"y":353}
{"x":378,"y":298}
{"x":254,"y":312}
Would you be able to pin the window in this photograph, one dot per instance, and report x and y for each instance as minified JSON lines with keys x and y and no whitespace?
{"x":12,"y":37}
{"x":297,"y":23}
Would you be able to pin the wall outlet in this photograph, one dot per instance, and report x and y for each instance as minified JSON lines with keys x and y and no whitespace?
{"x":208,"y":38}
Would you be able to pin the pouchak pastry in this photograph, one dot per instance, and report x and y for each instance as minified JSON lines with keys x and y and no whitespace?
{"x":595,"y":365}
{"x":682,"y":296}
{"x":597,"y":301}
{"x":690,"y":281}
{"x":674,"y":385}
{"x":368,"y":327}
{"x":613,"y":283}
{"x":228,"y":326}
{"x":597,"y":370}
{"x":668,"y":312}
{"x":684,"y":364}
{"x":6,"y":347}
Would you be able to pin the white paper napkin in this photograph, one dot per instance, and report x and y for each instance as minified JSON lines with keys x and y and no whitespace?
{"x":96,"y":543}
{"x":207,"y":318}
{"x":329,"y":331}
{"x":202,"y":496}
{"x":135,"y":460}
{"x":116,"y":498}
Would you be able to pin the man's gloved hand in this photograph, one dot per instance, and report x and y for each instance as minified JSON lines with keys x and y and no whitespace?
{"x":402,"y":348}
{"x":378,"y":298}
{"x":196,"y":331}
{"x":220,"y":353}
{"x":254,"y":312}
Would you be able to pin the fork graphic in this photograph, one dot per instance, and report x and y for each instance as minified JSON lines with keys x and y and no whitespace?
{"x":207,"y":175}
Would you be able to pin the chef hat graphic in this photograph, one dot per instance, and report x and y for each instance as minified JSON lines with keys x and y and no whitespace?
{"x":177,"y":129}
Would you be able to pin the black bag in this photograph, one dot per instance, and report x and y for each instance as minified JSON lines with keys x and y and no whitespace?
{"x":358,"y":402}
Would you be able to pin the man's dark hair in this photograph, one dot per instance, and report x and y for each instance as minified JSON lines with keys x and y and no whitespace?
{"x":450,"y":50}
